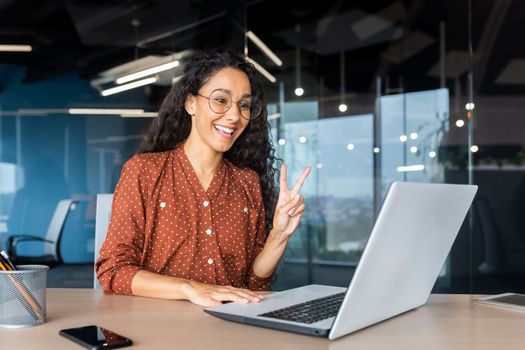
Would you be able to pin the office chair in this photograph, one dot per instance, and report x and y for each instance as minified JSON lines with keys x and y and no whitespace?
{"x":52,"y":256}
{"x":102,"y":218}
{"x":492,"y":257}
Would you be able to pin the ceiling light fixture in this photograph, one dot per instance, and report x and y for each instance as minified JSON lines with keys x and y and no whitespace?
{"x":261,"y":69}
{"x":146,"y":72}
{"x":342,"y":107}
{"x":15,"y":48}
{"x":417,"y":167}
{"x":105,"y":111}
{"x":299,"y":91}
{"x":271,"y":55}
{"x":135,"y":84}
{"x":176,"y":79}
{"x":140,"y":115}
{"x":40,"y":111}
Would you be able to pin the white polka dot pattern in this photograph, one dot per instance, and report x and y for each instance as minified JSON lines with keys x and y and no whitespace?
{"x":163,"y":221}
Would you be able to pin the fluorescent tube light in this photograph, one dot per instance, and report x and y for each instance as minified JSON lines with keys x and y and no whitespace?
{"x":418,"y":167}
{"x":141,"y":115}
{"x":274,"y":116}
{"x":146,"y":72}
{"x":135,"y":84}
{"x":261,"y":70}
{"x":105,"y":111}
{"x":264,"y":48}
{"x":16,"y":48}
{"x":40,"y":111}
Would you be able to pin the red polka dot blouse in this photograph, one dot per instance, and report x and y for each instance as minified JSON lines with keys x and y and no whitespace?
{"x":163,"y":221}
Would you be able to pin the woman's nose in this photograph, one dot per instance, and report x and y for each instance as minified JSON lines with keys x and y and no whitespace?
{"x":234,"y":113}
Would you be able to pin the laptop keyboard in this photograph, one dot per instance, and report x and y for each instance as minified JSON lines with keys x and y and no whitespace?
{"x":310,"y":311}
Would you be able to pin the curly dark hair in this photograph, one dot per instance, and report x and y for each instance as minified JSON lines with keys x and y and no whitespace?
{"x":253,"y":149}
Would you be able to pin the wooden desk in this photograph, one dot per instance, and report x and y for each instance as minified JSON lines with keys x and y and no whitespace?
{"x":446,"y":322}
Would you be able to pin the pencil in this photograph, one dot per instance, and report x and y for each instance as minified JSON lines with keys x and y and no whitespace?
{"x":4,"y":263}
{"x":30,"y":302}
{"x":7,"y":260}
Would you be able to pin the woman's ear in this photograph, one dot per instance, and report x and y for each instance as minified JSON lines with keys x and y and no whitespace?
{"x":189,"y":104}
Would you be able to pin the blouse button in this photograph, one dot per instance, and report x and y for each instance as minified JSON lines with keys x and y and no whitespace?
{"x":245,"y":210}
{"x":206,"y":203}
{"x":210,"y":261}
{"x":162,"y":204}
{"x":208,"y":232}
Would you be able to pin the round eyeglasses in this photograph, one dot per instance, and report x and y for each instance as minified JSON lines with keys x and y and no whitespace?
{"x":220,"y":102}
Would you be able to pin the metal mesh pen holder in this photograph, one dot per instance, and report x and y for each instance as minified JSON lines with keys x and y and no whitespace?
{"x":23,"y":296}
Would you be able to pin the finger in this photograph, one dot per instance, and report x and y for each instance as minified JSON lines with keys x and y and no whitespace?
{"x":245,"y":293}
{"x":292,"y":203}
{"x":297,"y":204}
{"x":283,"y":184}
{"x":228,"y":296}
{"x":207,"y":302}
{"x":298,"y":210}
{"x":245,"y":290}
{"x":252,"y":295}
{"x":232,"y":296}
{"x":300,"y":181}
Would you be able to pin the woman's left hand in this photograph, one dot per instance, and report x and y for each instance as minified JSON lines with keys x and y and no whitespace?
{"x":290,"y":205}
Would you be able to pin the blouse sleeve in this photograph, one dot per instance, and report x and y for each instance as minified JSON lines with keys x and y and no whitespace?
{"x":121,"y":252}
{"x":254,"y":282}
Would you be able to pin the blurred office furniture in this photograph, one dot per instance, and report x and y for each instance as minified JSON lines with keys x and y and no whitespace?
{"x":103,"y":215}
{"x":447,"y":321}
{"x":51,"y":242}
{"x":496,"y":245}
{"x":492,"y":259}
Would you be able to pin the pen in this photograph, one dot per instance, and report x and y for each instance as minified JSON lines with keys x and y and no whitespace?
{"x":7,"y":260}
{"x":30,"y":303}
{"x":4,"y":265}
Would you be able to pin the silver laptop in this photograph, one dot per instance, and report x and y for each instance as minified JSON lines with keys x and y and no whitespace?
{"x":403,"y":257}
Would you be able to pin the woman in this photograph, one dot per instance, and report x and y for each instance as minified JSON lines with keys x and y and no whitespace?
{"x":195,"y":214}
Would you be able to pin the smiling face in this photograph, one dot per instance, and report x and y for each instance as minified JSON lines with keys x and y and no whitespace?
{"x":218,"y":131}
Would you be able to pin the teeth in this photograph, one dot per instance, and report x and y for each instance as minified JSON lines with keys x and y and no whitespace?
{"x":224,"y":129}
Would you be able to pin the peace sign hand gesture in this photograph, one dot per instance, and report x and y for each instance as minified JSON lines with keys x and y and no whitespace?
{"x":290,"y":205}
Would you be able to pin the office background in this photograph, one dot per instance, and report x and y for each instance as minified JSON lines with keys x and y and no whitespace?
{"x":367,"y":92}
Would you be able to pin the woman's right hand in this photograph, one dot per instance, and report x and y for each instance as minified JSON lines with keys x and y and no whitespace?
{"x":211,"y":295}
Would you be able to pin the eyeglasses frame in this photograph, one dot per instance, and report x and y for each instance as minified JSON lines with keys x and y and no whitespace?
{"x":230,"y":106}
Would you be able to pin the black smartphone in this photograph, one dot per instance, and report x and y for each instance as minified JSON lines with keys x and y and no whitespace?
{"x":95,"y":337}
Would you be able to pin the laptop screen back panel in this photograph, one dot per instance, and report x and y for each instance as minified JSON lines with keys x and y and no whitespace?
{"x":405,"y":252}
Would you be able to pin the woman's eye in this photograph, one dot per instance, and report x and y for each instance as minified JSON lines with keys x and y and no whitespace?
{"x":245,"y":106}
{"x":221,"y":101}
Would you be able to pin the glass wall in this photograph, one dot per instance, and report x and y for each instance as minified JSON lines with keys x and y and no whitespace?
{"x":48,"y":154}
{"x":408,"y":91}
